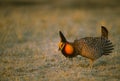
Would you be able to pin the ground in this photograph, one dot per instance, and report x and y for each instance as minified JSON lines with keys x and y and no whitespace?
{"x":29,"y":43}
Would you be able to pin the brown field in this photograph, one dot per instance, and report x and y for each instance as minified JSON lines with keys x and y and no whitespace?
{"x":29,"y":43}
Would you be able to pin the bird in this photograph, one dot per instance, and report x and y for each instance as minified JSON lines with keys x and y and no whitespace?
{"x":89,"y":47}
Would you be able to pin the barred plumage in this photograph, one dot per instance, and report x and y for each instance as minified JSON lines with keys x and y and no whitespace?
{"x":93,"y":47}
{"x":89,"y":47}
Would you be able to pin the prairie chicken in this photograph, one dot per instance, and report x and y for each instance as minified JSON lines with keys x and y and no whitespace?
{"x":89,"y":47}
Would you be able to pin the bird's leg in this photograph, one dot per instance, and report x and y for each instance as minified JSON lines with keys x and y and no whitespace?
{"x":91,"y":64}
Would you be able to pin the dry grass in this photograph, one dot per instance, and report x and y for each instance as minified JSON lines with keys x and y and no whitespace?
{"x":29,"y":38}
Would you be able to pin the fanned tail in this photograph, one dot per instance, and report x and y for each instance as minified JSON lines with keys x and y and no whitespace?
{"x":108,"y":47}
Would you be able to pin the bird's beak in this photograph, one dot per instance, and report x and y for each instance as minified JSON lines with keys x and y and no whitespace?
{"x":59,"y":49}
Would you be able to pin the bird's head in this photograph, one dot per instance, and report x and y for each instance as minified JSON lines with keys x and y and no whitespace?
{"x":64,"y":46}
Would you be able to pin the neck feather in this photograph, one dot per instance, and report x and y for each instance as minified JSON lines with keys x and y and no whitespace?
{"x":68,"y":49}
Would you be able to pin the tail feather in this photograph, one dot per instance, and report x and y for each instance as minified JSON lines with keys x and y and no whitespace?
{"x":104,"y":32}
{"x":108,"y":43}
{"x":107,"y":52}
{"x":109,"y":46}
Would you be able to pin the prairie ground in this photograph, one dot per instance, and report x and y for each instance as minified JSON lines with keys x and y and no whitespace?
{"x":29,"y":43}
